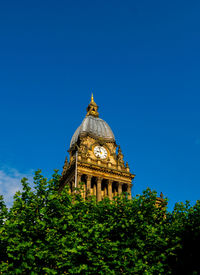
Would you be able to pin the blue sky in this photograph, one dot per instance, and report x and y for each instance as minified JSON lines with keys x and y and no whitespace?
{"x":139,"y":58}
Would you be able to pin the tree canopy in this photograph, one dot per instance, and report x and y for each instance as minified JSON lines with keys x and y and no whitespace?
{"x":51,"y":232}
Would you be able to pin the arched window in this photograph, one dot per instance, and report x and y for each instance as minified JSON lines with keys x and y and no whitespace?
{"x":104,"y":188}
{"x":94,"y":186}
{"x":114,"y":188}
{"x":124,"y":188}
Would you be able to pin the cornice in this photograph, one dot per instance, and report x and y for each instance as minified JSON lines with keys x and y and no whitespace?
{"x":105,"y":169}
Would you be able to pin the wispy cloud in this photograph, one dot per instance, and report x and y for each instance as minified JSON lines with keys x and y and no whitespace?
{"x":10,"y":183}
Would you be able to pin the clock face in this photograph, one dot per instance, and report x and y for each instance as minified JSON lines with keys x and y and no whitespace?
{"x":100,"y":152}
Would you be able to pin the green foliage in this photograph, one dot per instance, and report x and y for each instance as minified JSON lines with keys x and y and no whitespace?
{"x":51,"y":232}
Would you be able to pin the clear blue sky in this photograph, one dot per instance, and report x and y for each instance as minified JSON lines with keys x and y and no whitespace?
{"x":142,"y":61}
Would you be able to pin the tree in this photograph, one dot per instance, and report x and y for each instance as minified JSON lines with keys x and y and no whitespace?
{"x":47,"y":232}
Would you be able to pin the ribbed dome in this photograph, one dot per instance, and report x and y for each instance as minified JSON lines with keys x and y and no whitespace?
{"x":94,"y":126}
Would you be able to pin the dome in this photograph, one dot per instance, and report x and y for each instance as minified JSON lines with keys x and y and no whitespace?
{"x":94,"y":126}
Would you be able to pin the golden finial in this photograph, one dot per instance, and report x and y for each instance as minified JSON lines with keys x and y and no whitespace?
{"x":92,"y":98}
{"x":92,"y":109}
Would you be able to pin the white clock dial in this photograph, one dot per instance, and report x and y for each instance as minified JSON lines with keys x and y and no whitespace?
{"x":100,"y":152}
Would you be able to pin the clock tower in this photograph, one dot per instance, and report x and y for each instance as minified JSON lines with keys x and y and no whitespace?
{"x":96,"y":160}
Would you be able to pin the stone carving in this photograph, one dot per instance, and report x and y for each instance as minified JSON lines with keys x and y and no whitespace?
{"x":83,"y":150}
{"x":65,"y":167}
{"x":120,"y":157}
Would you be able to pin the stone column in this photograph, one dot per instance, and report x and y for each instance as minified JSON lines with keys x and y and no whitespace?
{"x":129,"y":191}
{"x":84,"y":190}
{"x":115,"y":189}
{"x":95,"y":189}
{"x":99,"y":180}
{"x":78,"y":180}
{"x":81,"y":187}
{"x":110,"y":189}
{"x":88,"y":185}
{"x":106,"y":190}
{"x":119,"y":188}
{"x":73,"y":185}
{"x":70,"y":187}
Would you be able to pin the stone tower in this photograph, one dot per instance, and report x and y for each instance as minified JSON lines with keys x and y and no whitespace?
{"x":96,"y":160}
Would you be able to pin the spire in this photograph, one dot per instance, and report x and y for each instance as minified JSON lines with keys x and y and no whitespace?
{"x":92,"y":98}
{"x":92,"y":108}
